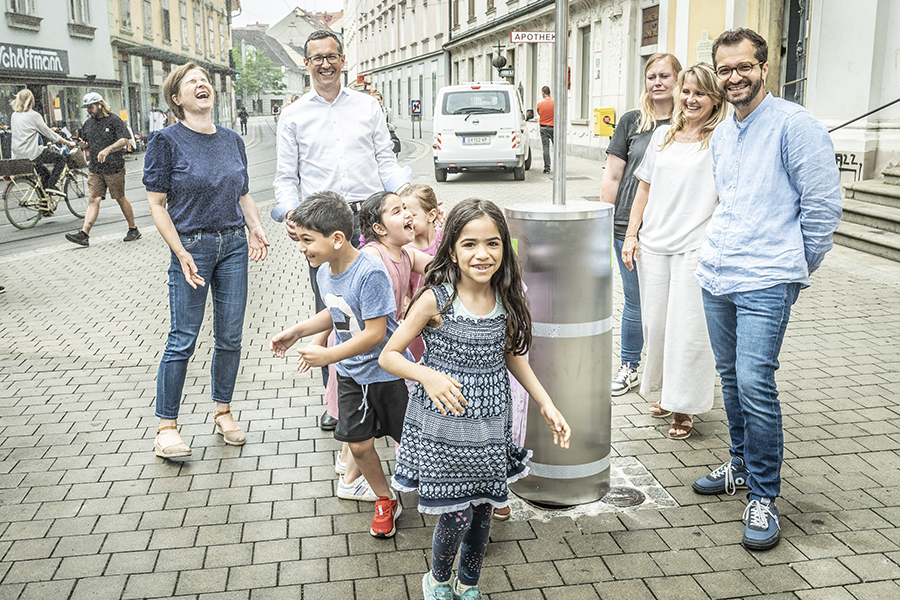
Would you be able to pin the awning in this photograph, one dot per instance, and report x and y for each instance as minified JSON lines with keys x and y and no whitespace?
{"x":132,"y":48}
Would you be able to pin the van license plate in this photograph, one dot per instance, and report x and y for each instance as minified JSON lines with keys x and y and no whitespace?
{"x":476,"y":141}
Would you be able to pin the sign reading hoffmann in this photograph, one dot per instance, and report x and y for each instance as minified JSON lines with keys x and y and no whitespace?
{"x":532,"y":37}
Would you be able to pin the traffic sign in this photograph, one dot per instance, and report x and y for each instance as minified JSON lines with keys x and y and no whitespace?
{"x":416,"y":107}
{"x":532,"y":37}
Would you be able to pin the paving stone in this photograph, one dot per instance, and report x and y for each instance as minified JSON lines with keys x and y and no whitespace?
{"x":726,"y":584}
{"x":825,"y":572}
{"x":201,"y":581}
{"x":680,"y":562}
{"x":99,"y":588}
{"x":871,"y":567}
{"x":882,"y":590}
{"x":407,"y":562}
{"x":633,"y":590}
{"x":533,"y":575}
{"x":582,"y":571}
{"x":252,"y":576}
{"x":302,"y":572}
{"x":44,"y":590}
{"x":571,"y":592}
{"x":147,"y":585}
{"x":775,"y":579}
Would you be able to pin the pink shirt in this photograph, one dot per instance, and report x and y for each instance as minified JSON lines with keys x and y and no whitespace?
{"x":399,"y":272}
{"x":415,"y":280}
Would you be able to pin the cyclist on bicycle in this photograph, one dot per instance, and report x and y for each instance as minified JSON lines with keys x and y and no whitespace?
{"x":27,"y":127}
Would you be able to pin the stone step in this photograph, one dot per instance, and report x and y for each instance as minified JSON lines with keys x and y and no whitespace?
{"x":868,"y":239}
{"x":892,"y":175}
{"x":877,"y":216}
{"x":874,"y":191}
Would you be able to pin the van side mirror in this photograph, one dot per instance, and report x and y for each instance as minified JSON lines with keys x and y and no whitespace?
{"x":529,"y":114}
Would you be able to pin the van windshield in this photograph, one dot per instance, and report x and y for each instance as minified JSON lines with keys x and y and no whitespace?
{"x":475,"y":102}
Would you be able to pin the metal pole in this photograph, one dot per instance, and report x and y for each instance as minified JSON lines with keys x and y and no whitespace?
{"x":560,"y":81}
{"x":244,"y":68}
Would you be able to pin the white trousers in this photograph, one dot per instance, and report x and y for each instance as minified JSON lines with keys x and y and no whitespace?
{"x":679,"y":356}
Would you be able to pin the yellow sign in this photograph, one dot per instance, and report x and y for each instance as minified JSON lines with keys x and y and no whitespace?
{"x":123,"y":114}
{"x":604,"y":121}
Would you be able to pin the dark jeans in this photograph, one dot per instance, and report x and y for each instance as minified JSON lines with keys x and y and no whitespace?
{"x":546,"y":138}
{"x":49,"y":179}
{"x":243,"y":127}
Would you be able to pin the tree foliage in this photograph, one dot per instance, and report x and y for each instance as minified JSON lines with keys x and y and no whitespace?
{"x":258,"y":74}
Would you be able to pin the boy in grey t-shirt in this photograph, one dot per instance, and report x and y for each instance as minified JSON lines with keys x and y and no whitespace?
{"x":360,"y":307}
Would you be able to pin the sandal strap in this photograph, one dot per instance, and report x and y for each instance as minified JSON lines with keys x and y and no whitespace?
{"x":227,"y":411}
{"x":161,"y":429}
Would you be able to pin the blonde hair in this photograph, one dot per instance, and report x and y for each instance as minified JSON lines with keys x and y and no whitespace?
{"x":703,"y":75}
{"x":424,"y":194}
{"x":23,"y":102}
{"x":173,"y":82}
{"x":649,"y":115}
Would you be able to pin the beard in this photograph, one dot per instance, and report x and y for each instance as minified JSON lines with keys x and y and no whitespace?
{"x":744,"y":99}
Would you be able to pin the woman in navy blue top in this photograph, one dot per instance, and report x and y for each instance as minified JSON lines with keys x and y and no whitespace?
{"x":198,"y":190}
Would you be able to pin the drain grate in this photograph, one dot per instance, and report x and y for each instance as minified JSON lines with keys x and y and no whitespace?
{"x":623,"y":496}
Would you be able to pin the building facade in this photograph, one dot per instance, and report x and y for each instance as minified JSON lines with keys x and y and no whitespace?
{"x":149,"y":37}
{"x":398,"y":49}
{"x":58,"y":59}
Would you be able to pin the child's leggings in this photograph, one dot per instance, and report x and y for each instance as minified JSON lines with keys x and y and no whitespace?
{"x":466,"y":531}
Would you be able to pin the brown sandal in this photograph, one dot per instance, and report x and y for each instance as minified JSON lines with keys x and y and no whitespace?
{"x":683,"y":422}
{"x":232,"y":437}
{"x":501,"y":514}
{"x":659,"y":412}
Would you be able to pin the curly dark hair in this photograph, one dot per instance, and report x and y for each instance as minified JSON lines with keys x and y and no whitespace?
{"x":507,"y":281}
{"x":733,"y":37}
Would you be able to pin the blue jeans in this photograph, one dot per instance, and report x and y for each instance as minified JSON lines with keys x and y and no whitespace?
{"x":632,"y":328}
{"x":746,"y":330}
{"x":221,"y":260}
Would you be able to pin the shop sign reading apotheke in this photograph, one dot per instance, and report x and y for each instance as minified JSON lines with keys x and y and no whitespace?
{"x":35,"y":60}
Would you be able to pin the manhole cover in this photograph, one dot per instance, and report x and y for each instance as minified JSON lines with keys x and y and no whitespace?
{"x":623,"y":496}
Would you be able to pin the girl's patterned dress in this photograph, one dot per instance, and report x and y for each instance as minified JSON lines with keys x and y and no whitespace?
{"x":457,"y":461}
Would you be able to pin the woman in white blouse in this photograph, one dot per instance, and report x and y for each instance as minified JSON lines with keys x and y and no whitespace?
{"x":673,"y":204}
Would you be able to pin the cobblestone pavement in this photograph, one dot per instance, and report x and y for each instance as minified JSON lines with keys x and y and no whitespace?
{"x":88,"y":511}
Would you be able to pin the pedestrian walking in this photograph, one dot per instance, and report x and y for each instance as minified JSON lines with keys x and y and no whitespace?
{"x":332,"y":138}
{"x":779,"y":204}
{"x":674,"y":202}
{"x":27,"y":128}
{"x":545,"y":122}
{"x":457,"y":448}
{"x":198,"y":191}
{"x":104,"y":135}
{"x":243,"y":116}
{"x":619,"y":186}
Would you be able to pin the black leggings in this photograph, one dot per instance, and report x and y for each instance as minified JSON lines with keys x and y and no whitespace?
{"x":466,"y":531}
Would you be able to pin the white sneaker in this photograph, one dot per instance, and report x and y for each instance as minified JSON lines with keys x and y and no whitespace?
{"x":340,"y":467}
{"x":624,"y":380}
{"x":358,"y":490}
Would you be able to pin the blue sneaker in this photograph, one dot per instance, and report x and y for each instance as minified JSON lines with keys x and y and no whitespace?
{"x":727,"y":478}
{"x":472,"y":593}
{"x":440,"y":591}
{"x":761,"y":529}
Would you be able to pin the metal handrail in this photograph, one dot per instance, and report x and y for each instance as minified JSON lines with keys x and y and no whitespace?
{"x":787,"y":83}
{"x":891,"y":103}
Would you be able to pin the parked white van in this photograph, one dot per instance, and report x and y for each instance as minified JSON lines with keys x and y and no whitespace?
{"x":480,"y":126}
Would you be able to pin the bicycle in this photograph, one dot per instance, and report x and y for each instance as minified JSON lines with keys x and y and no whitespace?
{"x":25,"y":200}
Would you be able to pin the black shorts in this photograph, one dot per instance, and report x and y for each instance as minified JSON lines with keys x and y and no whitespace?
{"x":370,"y":411}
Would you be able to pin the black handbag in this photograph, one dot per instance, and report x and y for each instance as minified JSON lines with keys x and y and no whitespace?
{"x":396,"y":141}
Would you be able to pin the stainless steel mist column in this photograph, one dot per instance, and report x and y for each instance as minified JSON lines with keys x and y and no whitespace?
{"x":560,"y":83}
{"x":566,"y":258}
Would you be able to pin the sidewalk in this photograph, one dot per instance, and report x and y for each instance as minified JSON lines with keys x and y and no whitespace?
{"x":88,"y":511}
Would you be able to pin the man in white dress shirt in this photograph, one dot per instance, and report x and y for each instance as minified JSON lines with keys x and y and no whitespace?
{"x":332,"y":139}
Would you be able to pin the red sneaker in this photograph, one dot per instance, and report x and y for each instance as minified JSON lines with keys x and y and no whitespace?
{"x":386,"y":510}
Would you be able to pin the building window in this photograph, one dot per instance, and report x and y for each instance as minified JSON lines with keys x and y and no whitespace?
{"x":211,"y":36}
{"x":80,"y":11}
{"x":455,"y":22}
{"x":125,"y":14}
{"x":148,"y":19}
{"x":222,"y":50}
{"x":21,"y":7}
{"x":585,"y":72}
{"x":182,"y":6}
{"x":198,"y":31}
{"x":490,"y":5}
{"x":471,"y":10}
{"x":166,"y":25}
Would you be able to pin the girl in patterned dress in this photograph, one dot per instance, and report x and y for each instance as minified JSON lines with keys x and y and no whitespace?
{"x":457,"y":448}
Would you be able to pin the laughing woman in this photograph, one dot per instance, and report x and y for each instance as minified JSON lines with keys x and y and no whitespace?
{"x":675,"y":200}
{"x":198,"y":190}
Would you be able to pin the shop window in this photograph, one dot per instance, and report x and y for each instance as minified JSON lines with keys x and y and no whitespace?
{"x":125,"y":14}
{"x":166,"y":25}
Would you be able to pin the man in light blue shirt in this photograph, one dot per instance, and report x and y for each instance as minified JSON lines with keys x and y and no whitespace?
{"x":779,"y":204}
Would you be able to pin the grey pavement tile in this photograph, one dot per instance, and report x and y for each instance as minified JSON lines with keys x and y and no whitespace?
{"x":862,"y":542}
{"x":499,"y":554}
{"x":281,"y":592}
{"x":639,"y":541}
{"x":252,"y":576}
{"x":582,"y":571}
{"x":825,"y":572}
{"x":323,"y":547}
{"x":76,"y":567}
{"x":79,"y":545}
{"x":595,"y":544}
{"x":633,"y":590}
{"x":31,"y":570}
{"x":675,"y":588}
{"x":883,"y":590}
{"x":339,"y":590}
{"x":173,"y":537}
{"x":571,"y":592}
{"x":201,"y":581}
{"x":44,"y":590}
{"x":228,"y":555}
{"x":406,"y":562}
{"x":126,"y":563}
{"x":533,"y":575}
{"x":725,"y":584}
{"x":353,"y":567}
{"x":540,"y":549}
{"x":256,"y":531}
{"x":278,"y":550}
{"x":149,"y":585}
{"x":99,"y":588}
{"x":311,"y":570}
{"x":774,"y":579}
{"x":872,"y":567}
{"x":680,"y":562}
{"x":181,"y":559}
{"x":823,"y":545}
{"x":126,"y":541}
{"x":632,"y":566}
{"x":833,"y":593}
{"x":22,"y":550}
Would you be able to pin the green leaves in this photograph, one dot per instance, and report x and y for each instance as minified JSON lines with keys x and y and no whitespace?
{"x":257,"y":73}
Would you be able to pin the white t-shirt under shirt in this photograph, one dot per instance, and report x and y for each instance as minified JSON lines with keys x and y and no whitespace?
{"x":682,"y":195}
